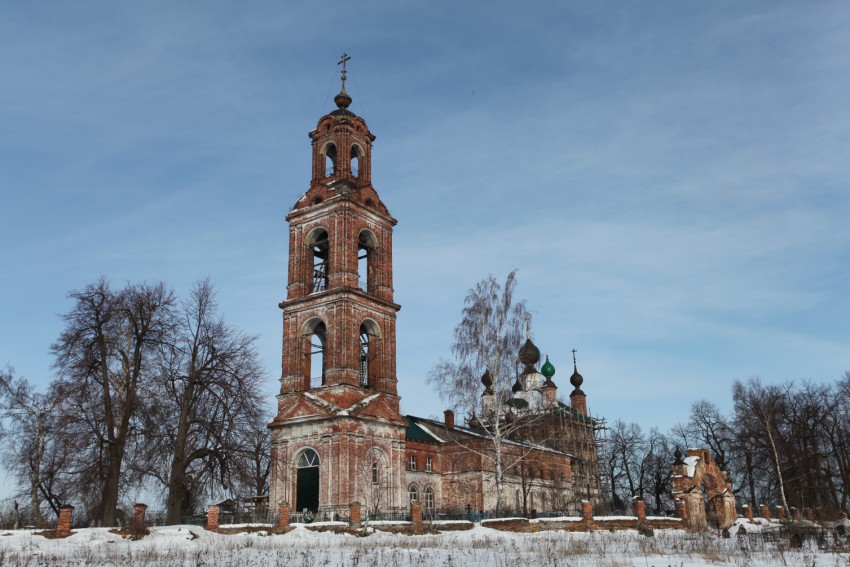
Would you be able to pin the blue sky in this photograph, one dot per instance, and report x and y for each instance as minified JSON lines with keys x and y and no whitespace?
{"x":670,"y":178}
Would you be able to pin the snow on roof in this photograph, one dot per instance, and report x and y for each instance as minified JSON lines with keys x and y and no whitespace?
{"x":691,"y":463}
{"x":429,"y":432}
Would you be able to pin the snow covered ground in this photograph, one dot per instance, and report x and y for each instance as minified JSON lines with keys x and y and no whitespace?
{"x":192,"y":546}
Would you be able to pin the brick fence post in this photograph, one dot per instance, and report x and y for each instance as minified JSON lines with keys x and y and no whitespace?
{"x":640,"y":510}
{"x":748,"y":512}
{"x":138,"y":526}
{"x":416,"y":514}
{"x":587,"y":513}
{"x":283,"y":516}
{"x":765,"y":512}
{"x":354,"y":515}
{"x":809,"y":514}
{"x":212,"y":518}
{"x":64,"y":527}
{"x":780,"y":513}
{"x":795,"y":514}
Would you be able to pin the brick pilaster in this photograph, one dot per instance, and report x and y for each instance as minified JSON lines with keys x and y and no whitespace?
{"x":416,"y":514}
{"x":138,"y":526}
{"x":355,"y":514}
{"x":587,"y":513}
{"x":640,"y":510}
{"x":283,"y":516}
{"x":748,"y":512}
{"x":212,"y":518}
{"x":64,"y":527}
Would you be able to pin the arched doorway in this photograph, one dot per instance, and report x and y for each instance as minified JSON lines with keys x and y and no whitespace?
{"x":307,"y":482}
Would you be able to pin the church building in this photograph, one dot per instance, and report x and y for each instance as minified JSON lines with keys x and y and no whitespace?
{"x":338,"y":436}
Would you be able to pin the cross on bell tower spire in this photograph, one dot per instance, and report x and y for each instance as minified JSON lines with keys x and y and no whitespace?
{"x":345,"y":59}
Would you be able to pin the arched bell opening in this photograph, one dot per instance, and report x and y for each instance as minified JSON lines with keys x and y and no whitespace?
{"x":319,"y":244}
{"x":315,"y":335}
{"x":329,"y":159}
{"x":369,"y":335}
{"x":356,"y":156}
{"x":366,"y":246}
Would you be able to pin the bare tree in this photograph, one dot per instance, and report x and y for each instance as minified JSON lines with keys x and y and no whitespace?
{"x":757,"y":409}
{"x":31,"y":447}
{"x":628,"y":448}
{"x":487,"y":339}
{"x":659,"y":471}
{"x":107,"y":350}
{"x":211,"y":383}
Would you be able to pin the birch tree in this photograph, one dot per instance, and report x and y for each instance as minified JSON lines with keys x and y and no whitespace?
{"x":487,"y":341}
{"x":758,"y":408}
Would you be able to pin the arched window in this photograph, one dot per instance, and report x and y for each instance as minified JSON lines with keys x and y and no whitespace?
{"x":368,"y":337}
{"x":309,"y":458}
{"x":318,"y":243}
{"x":355,"y":161}
{"x":429,"y":498}
{"x":375,"y":473}
{"x":366,"y":244}
{"x":413,"y":494}
{"x":330,"y":160}
{"x":518,"y":500}
{"x":316,"y":335}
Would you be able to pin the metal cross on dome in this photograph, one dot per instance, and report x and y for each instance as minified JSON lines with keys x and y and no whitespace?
{"x":345,"y":58}
{"x":574,"y":355}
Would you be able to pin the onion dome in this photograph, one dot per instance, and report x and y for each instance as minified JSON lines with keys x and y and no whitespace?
{"x":576,"y":379}
{"x":678,"y":456}
{"x":509,"y":416}
{"x":548,"y":370}
{"x":487,"y":380}
{"x":529,"y":354}
{"x":517,"y":387}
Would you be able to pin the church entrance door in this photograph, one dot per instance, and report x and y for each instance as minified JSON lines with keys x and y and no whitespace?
{"x":307,"y":487}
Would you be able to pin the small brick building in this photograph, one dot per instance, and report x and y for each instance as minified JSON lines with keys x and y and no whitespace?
{"x":338,"y":436}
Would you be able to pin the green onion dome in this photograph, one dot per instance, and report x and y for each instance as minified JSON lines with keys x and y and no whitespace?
{"x":548,"y":369}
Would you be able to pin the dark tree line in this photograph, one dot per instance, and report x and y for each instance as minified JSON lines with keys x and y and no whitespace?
{"x":782,"y":444}
{"x":152,"y":394}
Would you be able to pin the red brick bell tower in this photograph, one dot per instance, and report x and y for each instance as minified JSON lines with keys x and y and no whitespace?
{"x":338,"y":409}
